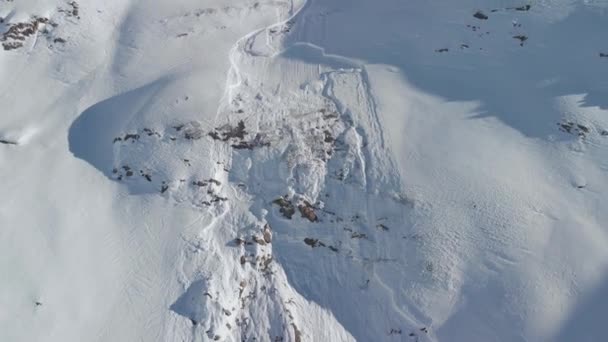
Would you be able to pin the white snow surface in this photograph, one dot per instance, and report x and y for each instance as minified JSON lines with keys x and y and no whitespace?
{"x":304,"y":170}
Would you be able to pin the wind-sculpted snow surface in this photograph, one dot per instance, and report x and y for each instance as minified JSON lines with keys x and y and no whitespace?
{"x":288,"y":171}
{"x":433,"y":256}
{"x":500,"y":198}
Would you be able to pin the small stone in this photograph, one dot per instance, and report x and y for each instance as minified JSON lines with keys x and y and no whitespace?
{"x":267,"y":234}
{"x":307,"y":211}
{"x":480,"y":15}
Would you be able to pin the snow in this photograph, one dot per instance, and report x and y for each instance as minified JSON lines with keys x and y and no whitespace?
{"x":321,"y":170}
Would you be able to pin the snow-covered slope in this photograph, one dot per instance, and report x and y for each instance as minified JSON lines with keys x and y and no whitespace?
{"x":327,"y":170}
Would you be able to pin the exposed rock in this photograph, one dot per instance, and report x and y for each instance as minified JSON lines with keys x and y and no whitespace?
{"x":357,"y":235}
{"x":267,"y":262}
{"x":250,"y":145}
{"x":307,"y":211}
{"x":574,"y":128}
{"x":236,"y":137}
{"x":267,"y":234}
{"x":286,"y":207}
{"x":480,"y":15}
{"x":582,"y":128}
{"x":73,"y":11}
{"x":382,"y":227}
{"x":8,"y":142}
{"x":242,"y":242}
{"x":259,"y":241}
{"x":227,"y":132}
{"x":473,"y":28}
{"x":297,"y":333}
{"x":328,"y":137}
{"x":521,"y":39}
{"x":17,"y":33}
{"x":193,"y":131}
{"x":134,"y":137}
{"x":524,"y":8}
{"x":151,"y":132}
{"x":313,"y":242}
{"x":11,"y":45}
{"x":214,"y":181}
{"x":216,"y":198}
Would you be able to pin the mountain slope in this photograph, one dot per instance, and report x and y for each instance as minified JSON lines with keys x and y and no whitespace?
{"x":303,"y":171}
